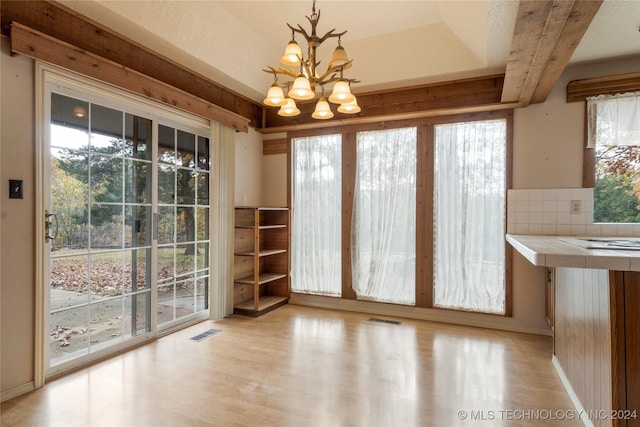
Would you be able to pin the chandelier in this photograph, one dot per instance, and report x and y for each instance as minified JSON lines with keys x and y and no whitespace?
{"x":305,"y":78}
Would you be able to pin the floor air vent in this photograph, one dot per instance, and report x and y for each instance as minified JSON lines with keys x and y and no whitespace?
{"x":391,"y":322}
{"x":205,"y":334}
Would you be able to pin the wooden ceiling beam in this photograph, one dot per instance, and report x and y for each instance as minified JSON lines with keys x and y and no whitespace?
{"x":527,"y":35}
{"x":545,"y":36}
{"x":577,"y":23}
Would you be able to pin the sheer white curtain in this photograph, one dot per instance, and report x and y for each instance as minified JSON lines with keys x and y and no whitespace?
{"x":469,"y":212}
{"x":316,"y":256}
{"x":383,"y":231}
{"x":613,"y":120}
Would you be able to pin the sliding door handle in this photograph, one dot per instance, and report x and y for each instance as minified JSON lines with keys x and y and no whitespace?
{"x":50,"y":226}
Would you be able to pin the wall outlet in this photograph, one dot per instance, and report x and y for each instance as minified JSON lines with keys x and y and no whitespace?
{"x":576,"y":206}
{"x":244,"y":200}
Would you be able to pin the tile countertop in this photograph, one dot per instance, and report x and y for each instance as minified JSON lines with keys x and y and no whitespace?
{"x":551,"y":251}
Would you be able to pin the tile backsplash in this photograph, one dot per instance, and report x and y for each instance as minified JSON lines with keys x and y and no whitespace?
{"x":559,"y":212}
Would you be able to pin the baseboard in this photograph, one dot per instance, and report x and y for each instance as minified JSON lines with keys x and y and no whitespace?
{"x":487,"y":321}
{"x":572,"y":394}
{"x":17,"y":391}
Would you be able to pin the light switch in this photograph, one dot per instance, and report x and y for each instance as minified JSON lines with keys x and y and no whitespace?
{"x":15,"y":189}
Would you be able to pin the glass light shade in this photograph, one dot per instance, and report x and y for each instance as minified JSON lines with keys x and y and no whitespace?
{"x":341,"y":93}
{"x":292,"y":54}
{"x":301,"y":89}
{"x":289,"y":109}
{"x":322,"y":111}
{"x":339,"y":57}
{"x":79,"y":112}
{"x":275,"y":96}
{"x":349,"y":107}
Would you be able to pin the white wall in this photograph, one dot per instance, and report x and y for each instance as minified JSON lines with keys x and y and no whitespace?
{"x":274,"y":180}
{"x":248,"y":169}
{"x":17,"y":248}
{"x":262,"y":179}
{"x":549,"y":137}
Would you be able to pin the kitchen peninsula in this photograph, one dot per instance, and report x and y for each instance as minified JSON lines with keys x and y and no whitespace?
{"x":594,"y":313}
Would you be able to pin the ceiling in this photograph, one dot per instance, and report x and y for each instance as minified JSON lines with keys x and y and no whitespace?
{"x":393,"y":43}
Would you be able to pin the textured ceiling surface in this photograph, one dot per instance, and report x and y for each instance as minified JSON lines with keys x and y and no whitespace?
{"x":393,"y":43}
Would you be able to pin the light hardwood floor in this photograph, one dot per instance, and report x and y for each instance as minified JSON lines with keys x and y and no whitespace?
{"x":300,"y":366}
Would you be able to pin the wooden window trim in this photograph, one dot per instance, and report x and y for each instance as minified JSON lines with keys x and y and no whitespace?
{"x":349,"y":156}
{"x":424,"y":209}
{"x":588,"y":158}
{"x":580,"y":90}
{"x":424,"y":199}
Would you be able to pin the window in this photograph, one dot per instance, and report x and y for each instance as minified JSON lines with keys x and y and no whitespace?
{"x":383,"y":231}
{"x":317,"y":212}
{"x":614,"y":134}
{"x":469,"y":212}
{"x":410,"y":213}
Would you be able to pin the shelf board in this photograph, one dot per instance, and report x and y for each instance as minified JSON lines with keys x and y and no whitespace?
{"x":262,"y":253}
{"x":262,"y":227}
{"x":264,"y":208}
{"x":266,"y":304}
{"x":264,"y":278}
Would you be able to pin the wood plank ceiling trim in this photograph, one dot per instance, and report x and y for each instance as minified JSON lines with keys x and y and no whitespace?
{"x":31,"y":43}
{"x":274,"y":146}
{"x":579,"y":90}
{"x":534,"y":66}
{"x":326,"y":125}
{"x":58,"y":21}
{"x":444,"y":98}
{"x":545,"y":36}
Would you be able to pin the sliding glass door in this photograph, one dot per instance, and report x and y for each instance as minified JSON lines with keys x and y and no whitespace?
{"x":100,"y":292}
{"x":127,"y":201}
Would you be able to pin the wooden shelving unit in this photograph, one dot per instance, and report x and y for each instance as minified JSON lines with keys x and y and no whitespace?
{"x":261,"y":260}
